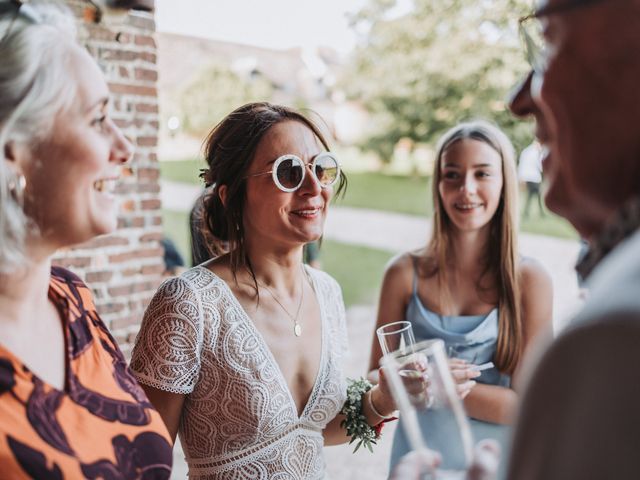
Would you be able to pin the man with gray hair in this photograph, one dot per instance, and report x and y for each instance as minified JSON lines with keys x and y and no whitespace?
{"x":580,"y":416}
{"x":580,"y":413}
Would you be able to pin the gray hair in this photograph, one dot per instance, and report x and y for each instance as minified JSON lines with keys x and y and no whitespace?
{"x":35,"y":86}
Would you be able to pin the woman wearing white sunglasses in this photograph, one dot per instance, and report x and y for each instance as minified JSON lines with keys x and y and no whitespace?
{"x":242,"y":354}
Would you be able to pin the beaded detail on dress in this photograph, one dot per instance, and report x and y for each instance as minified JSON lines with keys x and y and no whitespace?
{"x":239,"y":419}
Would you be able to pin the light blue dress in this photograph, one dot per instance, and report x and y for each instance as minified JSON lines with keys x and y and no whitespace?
{"x":474,"y":337}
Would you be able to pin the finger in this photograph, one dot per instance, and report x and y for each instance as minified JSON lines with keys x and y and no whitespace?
{"x":416,"y":463}
{"x":486,"y":460}
{"x":461,"y":376}
{"x":457,"y":362}
{"x":465,"y":388}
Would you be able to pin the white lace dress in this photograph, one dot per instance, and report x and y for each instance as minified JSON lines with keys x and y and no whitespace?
{"x":239,"y":419}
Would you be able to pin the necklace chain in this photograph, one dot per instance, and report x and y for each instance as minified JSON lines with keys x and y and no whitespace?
{"x":297,"y":328}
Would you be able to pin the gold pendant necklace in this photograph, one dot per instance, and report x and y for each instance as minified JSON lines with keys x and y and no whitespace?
{"x":297,"y":328}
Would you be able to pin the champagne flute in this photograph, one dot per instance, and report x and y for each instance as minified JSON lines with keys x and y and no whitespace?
{"x":425,"y":393}
{"x":395,"y":336}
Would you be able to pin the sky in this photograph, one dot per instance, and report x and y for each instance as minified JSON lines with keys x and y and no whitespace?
{"x":275,"y":24}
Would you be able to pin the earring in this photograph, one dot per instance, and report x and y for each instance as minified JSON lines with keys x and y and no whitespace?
{"x":17,"y":185}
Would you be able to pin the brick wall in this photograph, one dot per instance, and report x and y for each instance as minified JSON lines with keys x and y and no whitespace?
{"x":124,"y":269}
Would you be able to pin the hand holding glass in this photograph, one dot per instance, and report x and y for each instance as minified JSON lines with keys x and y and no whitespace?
{"x":429,"y":406}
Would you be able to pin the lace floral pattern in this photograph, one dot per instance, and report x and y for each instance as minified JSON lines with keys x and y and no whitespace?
{"x":239,"y":419}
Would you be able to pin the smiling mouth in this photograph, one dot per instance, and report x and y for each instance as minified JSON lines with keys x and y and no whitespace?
{"x":308,"y":212}
{"x":467,"y":206}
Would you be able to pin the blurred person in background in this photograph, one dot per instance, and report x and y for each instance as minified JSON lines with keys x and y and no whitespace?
{"x":530,"y":173}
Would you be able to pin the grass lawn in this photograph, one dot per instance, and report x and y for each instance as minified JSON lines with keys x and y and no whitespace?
{"x":358,"y":270}
{"x":184,"y":171}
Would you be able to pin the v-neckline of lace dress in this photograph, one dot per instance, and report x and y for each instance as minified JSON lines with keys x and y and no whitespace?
{"x":269,"y":354}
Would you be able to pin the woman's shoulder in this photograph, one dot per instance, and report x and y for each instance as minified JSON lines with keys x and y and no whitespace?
{"x":190,"y":286}
{"x":322,"y":279}
{"x":534,"y":278}
{"x":532,"y":271}
{"x":404,"y":266}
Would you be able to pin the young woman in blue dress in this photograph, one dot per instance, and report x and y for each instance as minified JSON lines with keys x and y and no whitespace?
{"x":469,"y":286}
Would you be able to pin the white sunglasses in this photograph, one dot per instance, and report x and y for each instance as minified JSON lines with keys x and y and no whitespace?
{"x":289,"y":171}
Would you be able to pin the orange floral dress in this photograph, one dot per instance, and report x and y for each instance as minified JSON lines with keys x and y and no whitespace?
{"x":101,"y":425}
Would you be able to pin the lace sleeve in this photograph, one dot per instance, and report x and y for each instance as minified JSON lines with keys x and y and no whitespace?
{"x":167,"y":350}
{"x":341,"y":320}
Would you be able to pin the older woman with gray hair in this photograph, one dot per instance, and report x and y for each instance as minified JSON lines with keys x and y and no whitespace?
{"x":69,"y":407}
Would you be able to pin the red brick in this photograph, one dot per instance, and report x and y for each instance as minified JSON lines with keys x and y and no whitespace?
{"x":107,"y":241}
{"x":151,"y":204}
{"x":147,"y":141}
{"x":121,"y":291}
{"x":151,"y":252}
{"x":152,"y":269}
{"x":101,"y":33}
{"x":148,"y":57}
{"x":95,"y":277}
{"x":145,"y":287}
{"x":121,"y":257}
{"x":132,"y":222}
{"x":71,"y":262}
{"x":118,"y":55}
{"x":125,"y":89}
{"x":146,"y":75}
{"x":151,"y":237}
{"x":145,"y":41}
{"x":145,"y":174}
{"x":146,"y":107}
{"x":130,"y":272}
{"x":111,"y":307}
{"x":121,"y":123}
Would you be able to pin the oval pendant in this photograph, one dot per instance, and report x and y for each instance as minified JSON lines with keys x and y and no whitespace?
{"x":297,"y":330}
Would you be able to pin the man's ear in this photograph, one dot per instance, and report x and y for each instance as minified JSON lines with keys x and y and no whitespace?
{"x":222,"y":193}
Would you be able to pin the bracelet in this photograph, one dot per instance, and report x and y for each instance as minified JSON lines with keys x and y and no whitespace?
{"x":355,"y":422}
{"x":375,"y":410}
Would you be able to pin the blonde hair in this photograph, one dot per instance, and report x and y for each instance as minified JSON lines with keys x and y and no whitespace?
{"x":502,"y":247}
{"x":35,"y":86}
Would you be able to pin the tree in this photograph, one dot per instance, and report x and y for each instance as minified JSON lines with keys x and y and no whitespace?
{"x":216,"y":91}
{"x":442,"y":62}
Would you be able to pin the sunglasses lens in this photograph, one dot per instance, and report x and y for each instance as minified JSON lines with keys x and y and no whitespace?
{"x":290,"y":172}
{"x":326,"y":170}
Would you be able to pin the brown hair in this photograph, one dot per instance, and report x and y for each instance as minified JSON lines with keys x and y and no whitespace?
{"x":501,"y":256}
{"x":229,"y":151}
